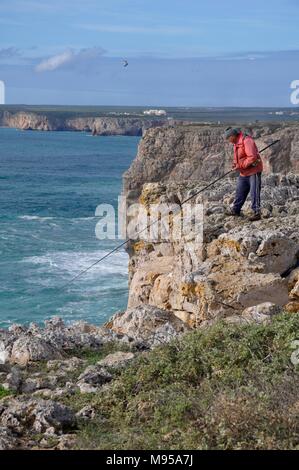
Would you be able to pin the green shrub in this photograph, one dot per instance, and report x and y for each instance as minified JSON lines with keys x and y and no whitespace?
{"x":226,"y":387}
{"x":3,"y":392}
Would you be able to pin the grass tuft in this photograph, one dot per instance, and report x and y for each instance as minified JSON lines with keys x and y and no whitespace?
{"x":227,"y":387}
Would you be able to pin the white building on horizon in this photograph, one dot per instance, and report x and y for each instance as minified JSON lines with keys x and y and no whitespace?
{"x":2,"y":92}
{"x":155,"y":112}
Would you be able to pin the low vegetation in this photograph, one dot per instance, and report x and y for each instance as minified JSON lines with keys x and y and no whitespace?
{"x":227,"y":387}
{"x":93,"y":356}
{"x":3,"y":392}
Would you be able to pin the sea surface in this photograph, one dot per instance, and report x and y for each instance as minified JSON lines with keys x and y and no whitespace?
{"x":50,"y":186}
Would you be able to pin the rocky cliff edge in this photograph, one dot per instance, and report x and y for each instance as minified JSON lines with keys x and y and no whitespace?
{"x":242,"y":270}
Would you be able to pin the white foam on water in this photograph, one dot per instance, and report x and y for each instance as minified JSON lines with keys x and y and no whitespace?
{"x":34,"y":217}
{"x":67,"y":264}
{"x":42,"y":219}
{"x":82,"y":219}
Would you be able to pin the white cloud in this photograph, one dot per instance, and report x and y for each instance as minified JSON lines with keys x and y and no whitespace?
{"x":69,"y":56}
{"x":54,"y":62}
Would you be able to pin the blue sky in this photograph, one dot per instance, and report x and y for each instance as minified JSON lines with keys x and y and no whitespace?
{"x":180,"y":52}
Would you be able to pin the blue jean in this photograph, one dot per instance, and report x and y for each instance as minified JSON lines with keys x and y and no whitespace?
{"x":245,"y":185}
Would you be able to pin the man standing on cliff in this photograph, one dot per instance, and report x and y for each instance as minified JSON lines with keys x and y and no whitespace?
{"x":248,"y":162}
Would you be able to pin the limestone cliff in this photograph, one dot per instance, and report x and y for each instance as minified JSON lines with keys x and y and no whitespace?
{"x":194,"y":152}
{"x":240,"y":264}
{"x":31,"y":121}
{"x":96,"y":125}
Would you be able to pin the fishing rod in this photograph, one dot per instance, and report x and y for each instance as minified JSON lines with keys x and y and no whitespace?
{"x":154,"y":222}
{"x":223,"y":176}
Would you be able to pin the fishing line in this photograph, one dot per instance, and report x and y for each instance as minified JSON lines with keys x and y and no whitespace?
{"x":152,"y":223}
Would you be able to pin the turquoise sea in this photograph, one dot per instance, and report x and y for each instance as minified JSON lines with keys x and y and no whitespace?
{"x":50,"y":186}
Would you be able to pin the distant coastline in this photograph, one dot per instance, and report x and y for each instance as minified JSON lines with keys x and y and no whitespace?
{"x":131,"y":120}
{"x":45,"y":120}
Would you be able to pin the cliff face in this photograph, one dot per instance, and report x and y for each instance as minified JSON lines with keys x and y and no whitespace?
{"x":195,"y":152}
{"x":113,"y":126}
{"x":240,"y":264}
{"x":31,"y":121}
{"x":96,"y":125}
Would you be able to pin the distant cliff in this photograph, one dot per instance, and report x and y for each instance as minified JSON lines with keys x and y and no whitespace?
{"x":96,"y":125}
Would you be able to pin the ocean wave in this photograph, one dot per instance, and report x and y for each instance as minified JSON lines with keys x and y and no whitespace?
{"x":67,"y":264}
{"x":34,"y":217}
{"x":82,"y":219}
{"x":42,"y":219}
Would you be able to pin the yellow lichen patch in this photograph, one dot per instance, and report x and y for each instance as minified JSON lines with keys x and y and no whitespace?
{"x":192,"y":290}
{"x":199,"y":290}
{"x":293,"y":279}
{"x":231,"y":244}
{"x":292,"y":307}
{"x":151,"y":194}
{"x":187,"y":290}
{"x":142,"y":245}
{"x":151,"y":277}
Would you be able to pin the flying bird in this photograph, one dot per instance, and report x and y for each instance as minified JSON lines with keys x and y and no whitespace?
{"x":125,"y":63}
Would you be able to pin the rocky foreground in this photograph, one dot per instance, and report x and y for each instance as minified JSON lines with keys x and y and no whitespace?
{"x":41,"y":367}
{"x":85,"y":387}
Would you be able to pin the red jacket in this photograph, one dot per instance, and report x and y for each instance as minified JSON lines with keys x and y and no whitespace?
{"x":245,"y":154}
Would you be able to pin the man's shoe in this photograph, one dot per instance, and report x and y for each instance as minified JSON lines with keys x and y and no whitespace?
{"x":233,"y":213}
{"x":254,"y":217}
